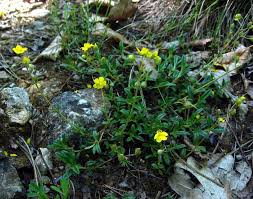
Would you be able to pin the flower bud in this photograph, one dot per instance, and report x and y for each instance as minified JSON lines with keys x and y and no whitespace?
{"x":131,"y":58}
{"x":137,"y":151}
{"x":144,"y":84}
{"x":137,"y":84}
{"x":160,"y":151}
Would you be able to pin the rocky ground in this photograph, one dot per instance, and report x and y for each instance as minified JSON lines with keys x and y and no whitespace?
{"x":29,"y":120}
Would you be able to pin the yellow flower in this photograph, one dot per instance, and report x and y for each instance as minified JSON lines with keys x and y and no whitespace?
{"x":2,"y":14}
{"x":19,"y":49}
{"x":89,"y":86}
{"x":221,"y":120}
{"x":99,"y":83}
{"x":161,"y":136}
{"x":26,"y":60}
{"x":240,"y":100}
{"x":145,"y":52}
{"x":5,"y":153}
{"x":28,"y":141}
{"x":156,"y":57}
{"x":87,"y":46}
{"x":13,"y":155}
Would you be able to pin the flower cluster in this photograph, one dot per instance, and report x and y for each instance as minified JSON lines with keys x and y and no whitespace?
{"x":99,"y":83}
{"x":87,"y":46}
{"x":145,"y":52}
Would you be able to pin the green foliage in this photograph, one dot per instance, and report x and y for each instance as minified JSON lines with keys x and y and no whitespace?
{"x":227,"y":22}
{"x":128,"y":196}
{"x":63,"y":189}
{"x":138,"y":105}
{"x":67,"y":155}
{"x":37,"y":191}
{"x":110,"y":196}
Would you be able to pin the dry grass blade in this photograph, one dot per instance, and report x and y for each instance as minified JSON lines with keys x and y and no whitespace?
{"x":27,"y":151}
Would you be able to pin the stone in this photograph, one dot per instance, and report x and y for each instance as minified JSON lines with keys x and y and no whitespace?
{"x":4,"y":75}
{"x":83,"y":108}
{"x":45,"y":161}
{"x":10,"y":184}
{"x":16,"y":105}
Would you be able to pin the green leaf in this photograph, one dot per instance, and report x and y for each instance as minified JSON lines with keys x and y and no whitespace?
{"x":165,"y":84}
{"x":55,"y":188}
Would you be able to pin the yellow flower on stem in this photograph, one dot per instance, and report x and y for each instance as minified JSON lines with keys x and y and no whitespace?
{"x":19,"y":50}
{"x":221,"y":120}
{"x":161,"y":136}
{"x":145,"y":52}
{"x":87,"y":46}
{"x":99,"y":83}
{"x":26,"y":60}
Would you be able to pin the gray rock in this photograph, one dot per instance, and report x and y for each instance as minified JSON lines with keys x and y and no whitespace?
{"x":45,"y":161}
{"x":83,"y":108}
{"x":16,"y":105}
{"x":10,"y":184}
{"x":4,"y":75}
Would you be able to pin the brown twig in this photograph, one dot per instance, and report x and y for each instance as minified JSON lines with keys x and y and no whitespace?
{"x":239,"y":145}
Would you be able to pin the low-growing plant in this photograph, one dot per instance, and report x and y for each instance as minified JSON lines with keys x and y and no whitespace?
{"x":41,"y":192}
{"x":146,"y":116}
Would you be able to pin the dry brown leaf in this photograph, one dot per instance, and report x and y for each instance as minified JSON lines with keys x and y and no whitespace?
{"x":52,"y":51}
{"x":108,"y":3}
{"x":250,"y":90}
{"x":232,"y":61}
{"x":200,"y":43}
{"x":214,"y":182}
{"x":95,"y":18}
{"x":101,"y":30}
{"x":122,"y":11}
